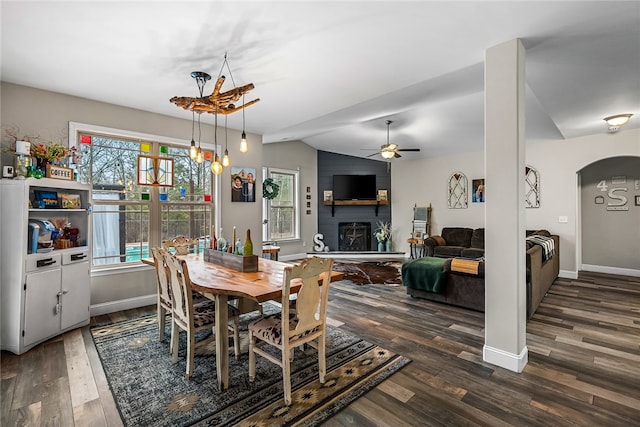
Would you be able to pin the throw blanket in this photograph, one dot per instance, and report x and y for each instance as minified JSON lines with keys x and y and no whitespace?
{"x":462,"y":265}
{"x":427,"y":274}
{"x":547,"y":244}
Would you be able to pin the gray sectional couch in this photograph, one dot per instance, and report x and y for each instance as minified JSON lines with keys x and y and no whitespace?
{"x":467,"y":290}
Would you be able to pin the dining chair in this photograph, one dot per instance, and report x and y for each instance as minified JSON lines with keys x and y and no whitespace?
{"x":182,"y":244}
{"x":189,"y":316}
{"x":164,"y":291}
{"x":304,"y":324}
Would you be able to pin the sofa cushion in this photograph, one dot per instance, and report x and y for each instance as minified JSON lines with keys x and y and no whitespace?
{"x":477,"y":238}
{"x":472,"y":253}
{"x":457,"y":236}
{"x":447,"y":251}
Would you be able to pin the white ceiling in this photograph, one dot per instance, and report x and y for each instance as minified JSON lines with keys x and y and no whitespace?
{"x":331,"y":73}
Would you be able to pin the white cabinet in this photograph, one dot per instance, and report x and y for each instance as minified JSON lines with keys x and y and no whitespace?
{"x":42,"y":293}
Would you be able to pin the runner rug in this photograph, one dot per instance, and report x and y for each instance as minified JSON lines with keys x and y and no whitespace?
{"x":149,"y":390}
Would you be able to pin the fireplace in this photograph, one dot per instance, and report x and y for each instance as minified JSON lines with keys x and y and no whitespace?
{"x":354,"y":236}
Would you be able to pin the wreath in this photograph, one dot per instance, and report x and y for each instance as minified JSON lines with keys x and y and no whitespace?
{"x":270,"y":189}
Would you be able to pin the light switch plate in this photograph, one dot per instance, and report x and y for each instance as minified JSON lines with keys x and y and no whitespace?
{"x":563,"y":218}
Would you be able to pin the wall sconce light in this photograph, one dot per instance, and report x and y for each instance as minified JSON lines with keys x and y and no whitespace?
{"x":616,"y":121}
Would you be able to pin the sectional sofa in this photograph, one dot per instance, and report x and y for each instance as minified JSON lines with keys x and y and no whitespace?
{"x":461,"y":254}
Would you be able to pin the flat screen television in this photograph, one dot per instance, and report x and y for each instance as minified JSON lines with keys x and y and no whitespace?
{"x":354,"y":187}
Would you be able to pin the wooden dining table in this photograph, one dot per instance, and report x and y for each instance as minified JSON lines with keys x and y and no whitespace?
{"x":218,"y":283}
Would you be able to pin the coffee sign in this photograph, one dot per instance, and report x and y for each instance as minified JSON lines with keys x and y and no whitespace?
{"x":59,"y":172}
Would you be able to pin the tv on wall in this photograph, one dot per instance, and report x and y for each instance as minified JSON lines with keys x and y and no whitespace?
{"x":354,"y":187}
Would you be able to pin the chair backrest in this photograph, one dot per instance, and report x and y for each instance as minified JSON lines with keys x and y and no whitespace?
{"x":182,"y":244}
{"x":164,"y":287}
{"x":182,"y":306}
{"x":311,"y":302}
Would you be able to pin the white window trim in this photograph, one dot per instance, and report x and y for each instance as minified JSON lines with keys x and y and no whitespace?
{"x":266,"y":173}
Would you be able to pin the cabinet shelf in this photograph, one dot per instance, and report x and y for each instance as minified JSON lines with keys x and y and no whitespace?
{"x":334,"y":203}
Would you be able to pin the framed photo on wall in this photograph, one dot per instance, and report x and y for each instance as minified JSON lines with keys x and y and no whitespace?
{"x":243,"y":186}
{"x":477,"y":193}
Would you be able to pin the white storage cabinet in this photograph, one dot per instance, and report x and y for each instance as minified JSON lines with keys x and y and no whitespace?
{"x":42,"y":294}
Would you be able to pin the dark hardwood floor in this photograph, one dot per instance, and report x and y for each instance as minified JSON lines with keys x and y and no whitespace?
{"x":584,"y":364}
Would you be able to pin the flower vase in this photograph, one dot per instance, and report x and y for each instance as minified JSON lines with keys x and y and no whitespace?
{"x":388,"y":246}
{"x":42,"y":165}
{"x":380,"y":246}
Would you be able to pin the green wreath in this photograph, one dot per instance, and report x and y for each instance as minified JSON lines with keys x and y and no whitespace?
{"x":270,"y":189}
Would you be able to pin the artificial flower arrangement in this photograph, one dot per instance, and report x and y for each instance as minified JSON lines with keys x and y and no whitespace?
{"x":383,"y":232}
{"x":52,"y":152}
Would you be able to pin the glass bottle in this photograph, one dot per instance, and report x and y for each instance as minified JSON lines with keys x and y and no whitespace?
{"x":238,"y":247}
{"x":213,"y":242}
{"x":222,"y":242}
{"x":248,"y":245}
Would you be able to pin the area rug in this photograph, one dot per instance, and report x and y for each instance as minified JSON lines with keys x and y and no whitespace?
{"x":149,"y":390}
{"x":369,"y":273}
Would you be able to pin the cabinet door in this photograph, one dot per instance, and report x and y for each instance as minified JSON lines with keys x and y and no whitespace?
{"x":76,"y":294}
{"x":41,"y":318}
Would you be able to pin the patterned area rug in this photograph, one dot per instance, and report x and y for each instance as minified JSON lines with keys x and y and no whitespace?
{"x":151,"y":391}
{"x":368,"y":273}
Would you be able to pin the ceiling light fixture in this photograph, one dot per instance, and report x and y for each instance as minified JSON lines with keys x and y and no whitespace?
{"x":218,"y":102}
{"x":616,"y":121}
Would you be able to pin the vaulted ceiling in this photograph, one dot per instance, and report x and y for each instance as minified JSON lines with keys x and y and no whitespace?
{"x":331,"y":73}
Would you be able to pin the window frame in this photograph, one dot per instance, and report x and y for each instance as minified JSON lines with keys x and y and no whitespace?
{"x":153,"y":205}
{"x":266,"y":205}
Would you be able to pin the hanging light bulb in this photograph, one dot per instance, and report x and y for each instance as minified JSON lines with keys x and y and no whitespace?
{"x":216,"y":167}
{"x":243,"y":141}
{"x":193,"y":151}
{"x":225,"y":159}
{"x":199,"y":154}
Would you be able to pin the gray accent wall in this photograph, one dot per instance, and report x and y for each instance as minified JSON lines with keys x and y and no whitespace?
{"x":610,"y":217}
{"x":330,"y":164}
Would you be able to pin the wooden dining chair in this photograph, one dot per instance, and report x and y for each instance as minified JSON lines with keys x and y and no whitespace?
{"x":164,"y":290}
{"x":181,"y":245}
{"x":189,"y":316}
{"x":304,"y":324}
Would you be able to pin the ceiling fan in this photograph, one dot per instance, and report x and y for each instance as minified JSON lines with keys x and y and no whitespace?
{"x":389,"y":150}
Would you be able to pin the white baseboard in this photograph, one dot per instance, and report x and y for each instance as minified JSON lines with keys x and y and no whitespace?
{"x":510,"y":361}
{"x":124,"y":304}
{"x":611,"y":270}
{"x":568,"y":274}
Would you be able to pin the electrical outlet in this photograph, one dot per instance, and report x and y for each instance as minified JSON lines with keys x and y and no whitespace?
{"x":563,"y":218}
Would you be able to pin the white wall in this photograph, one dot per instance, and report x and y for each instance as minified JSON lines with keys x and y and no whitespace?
{"x":557,"y":162}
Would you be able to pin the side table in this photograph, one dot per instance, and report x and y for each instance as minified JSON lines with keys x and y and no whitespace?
{"x":417,"y":248}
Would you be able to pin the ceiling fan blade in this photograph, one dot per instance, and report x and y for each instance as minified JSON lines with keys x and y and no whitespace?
{"x":374,"y":154}
{"x":408,"y":149}
{"x":396,"y":155}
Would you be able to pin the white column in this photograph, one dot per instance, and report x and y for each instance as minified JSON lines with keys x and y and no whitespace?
{"x":505,"y":290}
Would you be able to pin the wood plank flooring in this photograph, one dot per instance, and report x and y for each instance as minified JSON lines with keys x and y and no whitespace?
{"x":584,"y":364}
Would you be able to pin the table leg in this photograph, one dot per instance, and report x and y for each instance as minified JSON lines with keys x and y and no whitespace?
{"x":222,"y":341}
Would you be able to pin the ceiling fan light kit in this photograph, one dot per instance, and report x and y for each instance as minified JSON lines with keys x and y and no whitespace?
{"x":389,"y":151}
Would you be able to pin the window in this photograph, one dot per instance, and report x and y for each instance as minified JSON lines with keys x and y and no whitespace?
{"x":127,"y":219}
{"x":283,"y":211}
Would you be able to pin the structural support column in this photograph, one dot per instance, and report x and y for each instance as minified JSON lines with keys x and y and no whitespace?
{"x":505,"y":289}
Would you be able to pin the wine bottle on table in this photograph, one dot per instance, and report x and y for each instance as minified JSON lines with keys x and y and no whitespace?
{"x":248,"y":245}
